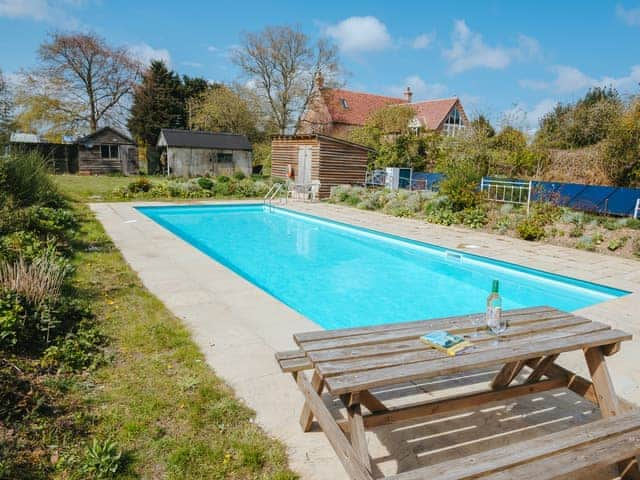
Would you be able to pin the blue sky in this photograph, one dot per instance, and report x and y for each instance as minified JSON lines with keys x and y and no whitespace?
{"x":503,"y":58}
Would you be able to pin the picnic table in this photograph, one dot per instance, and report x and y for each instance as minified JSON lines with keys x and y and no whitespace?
{"x":350,"y":363}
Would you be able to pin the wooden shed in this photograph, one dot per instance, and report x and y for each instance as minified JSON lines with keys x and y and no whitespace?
{"x":316,"y":158}
{"x":107,"y":151}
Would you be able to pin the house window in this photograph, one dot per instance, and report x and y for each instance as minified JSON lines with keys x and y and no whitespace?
{"x":345,"y":105}
{"x":109,"y":151}
{"x":225,"y":157}
{"x":453,"y":123}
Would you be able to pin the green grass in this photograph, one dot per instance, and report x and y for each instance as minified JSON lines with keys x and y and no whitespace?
{"x":169,"y":413}
{"x":84,"y":188}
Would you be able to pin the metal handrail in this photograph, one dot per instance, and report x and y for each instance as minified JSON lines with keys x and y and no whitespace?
{"x":271,"y":194}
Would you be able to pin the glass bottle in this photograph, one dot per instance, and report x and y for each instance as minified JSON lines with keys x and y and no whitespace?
{"x":495,"y":321}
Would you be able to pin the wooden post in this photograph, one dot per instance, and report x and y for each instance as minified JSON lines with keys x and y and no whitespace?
{"x":356,"y":430}
{"x":306,"y":417}
{"x":608,"y":401}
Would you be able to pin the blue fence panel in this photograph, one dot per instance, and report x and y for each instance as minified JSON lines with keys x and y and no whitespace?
{"x":589,"y":198}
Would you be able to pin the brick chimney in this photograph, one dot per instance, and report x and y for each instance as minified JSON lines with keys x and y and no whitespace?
{"x":319,"y":80}
{"x":408,"y":94}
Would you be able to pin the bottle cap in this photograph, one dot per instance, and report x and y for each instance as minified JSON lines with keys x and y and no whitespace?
{"x":495,"y":286}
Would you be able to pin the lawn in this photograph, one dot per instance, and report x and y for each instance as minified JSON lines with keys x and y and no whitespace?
{"x":85,"y":188}
{"x":119,"y":390}
{"x":158,"y":398}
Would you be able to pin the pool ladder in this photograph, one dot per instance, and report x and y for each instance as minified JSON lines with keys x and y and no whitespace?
{"x":273,"y":192}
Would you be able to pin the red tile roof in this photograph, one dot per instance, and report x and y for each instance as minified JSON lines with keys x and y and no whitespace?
{"x":432,"y":113}
{"x":354,"y":108}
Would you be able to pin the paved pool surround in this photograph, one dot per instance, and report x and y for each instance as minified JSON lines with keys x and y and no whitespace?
{"x":238,"y":327}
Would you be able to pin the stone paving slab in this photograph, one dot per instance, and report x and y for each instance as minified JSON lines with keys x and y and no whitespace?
{"x":231,"y":320}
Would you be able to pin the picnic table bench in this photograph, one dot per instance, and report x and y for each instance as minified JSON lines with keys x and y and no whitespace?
{"x":349,"y":363}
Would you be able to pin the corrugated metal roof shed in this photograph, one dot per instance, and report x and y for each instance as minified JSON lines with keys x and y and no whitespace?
{"x":192,"y":139}
{"x":19,"y":137}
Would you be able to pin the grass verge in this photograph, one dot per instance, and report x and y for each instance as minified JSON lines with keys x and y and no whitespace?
{"x":158,"y":399}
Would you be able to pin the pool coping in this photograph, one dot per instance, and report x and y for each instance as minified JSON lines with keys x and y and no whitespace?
{"x":226,"y":313}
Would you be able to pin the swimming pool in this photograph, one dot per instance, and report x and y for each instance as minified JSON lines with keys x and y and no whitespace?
{"x":342,"y":276}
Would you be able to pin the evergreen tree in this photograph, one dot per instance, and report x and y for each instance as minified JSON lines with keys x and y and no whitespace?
{"x":158,"y":102}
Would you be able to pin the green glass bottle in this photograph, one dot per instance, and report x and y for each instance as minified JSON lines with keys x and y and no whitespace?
{"x":495,"y":321}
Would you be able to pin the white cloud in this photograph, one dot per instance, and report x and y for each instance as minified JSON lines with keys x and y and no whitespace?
{"x":468,"y":50}
{"x":146,"y":53}
{"x":212,"y":48}
{"x":630,"y":16}
{"x":421,"y":89}
{"x":423,"y":41}
{"x":570,"y":79}
{"x":50,"y":11}
{"x":359,"y":34}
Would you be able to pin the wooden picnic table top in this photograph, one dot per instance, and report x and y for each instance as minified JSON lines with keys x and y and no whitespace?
{"x":357,"y":359}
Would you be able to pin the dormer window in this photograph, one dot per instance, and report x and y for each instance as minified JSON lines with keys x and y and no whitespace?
{"x":344,"y":103}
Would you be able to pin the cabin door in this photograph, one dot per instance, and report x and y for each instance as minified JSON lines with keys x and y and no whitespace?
{"x":303,"y":176}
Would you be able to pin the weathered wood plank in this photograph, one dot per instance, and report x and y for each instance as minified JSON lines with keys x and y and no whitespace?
{"x":483,"y":464}
{"x":507,"y":374}
{"x":577,"y":384}
{"x":341,"y":367}
{"x":541,"y":368}
{"x":576,"y":462}
{"x":533,"y":312}
{"x":459,"y":326}
{"x":356,"y":431}
{"x":370,"y":401}
{"x":463,"y":402}
{"x":306,"y":417}
{"x":345,"y":452}
{"x":295,"y":365}
{"x":348,"y":332}
{"x":413,"y":343}
{"x":607,"y":399}
{"x":447,"y":366}
{"x":289,"y":354}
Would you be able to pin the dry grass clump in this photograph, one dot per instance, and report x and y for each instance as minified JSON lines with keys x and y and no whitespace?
{"x":36,"y":281}
{"x":581,"y":165}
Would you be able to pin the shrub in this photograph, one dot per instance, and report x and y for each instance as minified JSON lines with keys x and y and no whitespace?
{"x":530,"y":229}
{"x":633,"y":223}
{"x":25,"y":179}
{"x":222,"y":179}
{"x":77,"y":351}
{"x":142,"y":184}
{"x":205,"y":183}
{"x":442,"y":216}
{"x":473,"y":217}
{"x":586,"y":243}
{"x":617,"y":243}
{"x":397,"y":208}
{"x":577,"y":230}
{"x":239,"y":175}
{"x":503,"y":224}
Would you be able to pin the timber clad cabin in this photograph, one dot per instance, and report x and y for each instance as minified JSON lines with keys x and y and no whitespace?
{"x":107,"y":151}
{"x":192,"y":153}
{"x":329,"y":161}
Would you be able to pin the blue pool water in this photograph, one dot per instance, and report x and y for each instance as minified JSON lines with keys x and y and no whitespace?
{"x":342,"y":276}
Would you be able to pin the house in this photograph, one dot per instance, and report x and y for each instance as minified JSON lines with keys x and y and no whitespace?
{"x":107,"y":151}
{"x":321,"y":160}
{"x":334,"y":111}
{"x":192,"y":153}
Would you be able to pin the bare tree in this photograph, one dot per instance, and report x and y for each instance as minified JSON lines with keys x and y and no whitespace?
{"x":283,"y":63}
{"x":6,"y":107}
{"x":83,"y":81}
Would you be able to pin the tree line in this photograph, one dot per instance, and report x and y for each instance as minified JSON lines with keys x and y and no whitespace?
{"x":82,"y":82}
